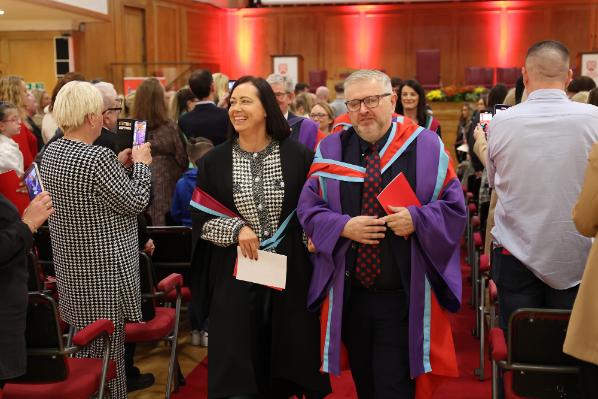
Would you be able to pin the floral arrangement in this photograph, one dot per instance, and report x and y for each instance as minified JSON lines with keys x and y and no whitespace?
{"x":456,"y":93}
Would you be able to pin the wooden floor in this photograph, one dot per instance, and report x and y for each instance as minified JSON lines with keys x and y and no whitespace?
{"x":152,"y":358}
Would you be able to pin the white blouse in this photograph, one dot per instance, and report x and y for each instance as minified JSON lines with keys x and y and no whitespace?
{"x":11,"y":157}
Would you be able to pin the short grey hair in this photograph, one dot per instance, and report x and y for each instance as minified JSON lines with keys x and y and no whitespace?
{"x":284,"y":81}
{"x":74,"y":102}
{"x":369,"y":74}
{"x":108,"y":93}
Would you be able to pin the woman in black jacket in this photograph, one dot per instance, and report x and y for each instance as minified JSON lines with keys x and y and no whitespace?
{"x":16,"y":240}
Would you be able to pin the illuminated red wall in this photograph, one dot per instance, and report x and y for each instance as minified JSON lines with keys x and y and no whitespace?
{"x":340,"y":38}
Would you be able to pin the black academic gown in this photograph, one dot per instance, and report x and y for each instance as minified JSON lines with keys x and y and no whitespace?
{"x":248,"y":356}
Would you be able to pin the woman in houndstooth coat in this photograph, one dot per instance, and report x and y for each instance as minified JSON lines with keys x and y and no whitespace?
{"x":94,"y":229}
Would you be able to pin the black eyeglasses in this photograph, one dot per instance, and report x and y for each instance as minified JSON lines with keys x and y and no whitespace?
{"x":115,"y":109}
{"x":370,"y":102}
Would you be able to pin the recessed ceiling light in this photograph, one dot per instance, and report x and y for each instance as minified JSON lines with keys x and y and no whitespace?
{"x":1,"y":12}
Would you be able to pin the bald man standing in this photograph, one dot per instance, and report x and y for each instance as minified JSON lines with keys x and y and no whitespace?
{"x":538,"y":153}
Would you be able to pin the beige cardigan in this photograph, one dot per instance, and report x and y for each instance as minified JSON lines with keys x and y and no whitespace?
{"x":582,"y":334}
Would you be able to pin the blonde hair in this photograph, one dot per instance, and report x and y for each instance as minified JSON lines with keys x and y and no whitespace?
{"x":10,"y":90}
{"x":510,"y":98}
{"x":220,"y":85}
{"x":305,"y":101}
{"x":581,"y":97}
{"x":74,"y":102}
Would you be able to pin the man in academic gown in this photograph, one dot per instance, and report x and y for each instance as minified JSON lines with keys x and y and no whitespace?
{"x":384,"y":282}
{"x":303,"y":130}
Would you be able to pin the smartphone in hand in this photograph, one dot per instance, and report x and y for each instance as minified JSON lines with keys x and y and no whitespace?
{"x":139,"y":133}
{"x":33,"y":181}
{"x":485,"y":118}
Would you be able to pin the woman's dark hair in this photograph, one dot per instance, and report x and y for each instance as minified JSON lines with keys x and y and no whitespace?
{"x":422,"y":113}
{"x":182,"y":96}
{"x":593,"y":97}
{"x":519,"y":88}
{"x":5,"y":106}
{"x":497,"y":95}
{"x":150,"y":104}
{"x":277,"y":126}
{"x":581,"y":83}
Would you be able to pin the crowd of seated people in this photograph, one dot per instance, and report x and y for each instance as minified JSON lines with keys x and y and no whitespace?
{"x":234,"y":163}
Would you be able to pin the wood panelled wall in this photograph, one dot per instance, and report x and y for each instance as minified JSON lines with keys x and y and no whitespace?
{"x":334,"y":38}
{"x":338,"y":38}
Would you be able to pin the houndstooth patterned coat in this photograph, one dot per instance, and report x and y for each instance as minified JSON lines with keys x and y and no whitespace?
{"x":94,"y":231}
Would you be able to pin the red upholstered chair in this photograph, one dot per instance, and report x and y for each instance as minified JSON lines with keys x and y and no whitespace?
{"x":532,"y":357}
{"x":317,"y":78}
{"x":508,"y":76}
{"x":479,"y":76}
{"x":485,"y":308}
{"x":427,"y":68}
{"x":51,"y":371}
{"x":160,"y":323}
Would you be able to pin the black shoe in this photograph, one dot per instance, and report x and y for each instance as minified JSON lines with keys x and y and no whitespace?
{"x":141,"y":382}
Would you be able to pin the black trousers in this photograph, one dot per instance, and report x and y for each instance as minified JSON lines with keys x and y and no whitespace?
{"x":375,"y":332}
{"x":588,"y":380}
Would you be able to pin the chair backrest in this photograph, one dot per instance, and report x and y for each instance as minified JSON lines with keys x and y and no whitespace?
{"x":35,"y":278}
{"x":536,"y":339}
{"x":46,"y":356}
{"x":173,"y":250}
{"x":43,"y":247}
{"x":427,"y":68}
{"x":317,"y":78}
{"x":508,"y":76}
{"x":479,"y":76}
{"x":148,"y":287}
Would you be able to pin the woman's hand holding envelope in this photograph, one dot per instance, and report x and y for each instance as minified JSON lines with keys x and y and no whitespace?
{"x":248,"y":242}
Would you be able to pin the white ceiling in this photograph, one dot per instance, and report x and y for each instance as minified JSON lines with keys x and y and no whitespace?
{"x":31,"y":15}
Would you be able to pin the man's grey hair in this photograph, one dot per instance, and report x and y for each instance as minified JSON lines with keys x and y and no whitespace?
{"x":369,"y":74}
{"x":108,"y":93}
{"x":548,"y":60}
{"x":284,"y":81}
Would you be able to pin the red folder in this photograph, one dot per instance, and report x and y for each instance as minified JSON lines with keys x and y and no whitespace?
{"x":398,"y":193}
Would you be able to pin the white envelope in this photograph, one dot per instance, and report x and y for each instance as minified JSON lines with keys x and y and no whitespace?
{"x":463,"y":148}
{"x":270,"y":269}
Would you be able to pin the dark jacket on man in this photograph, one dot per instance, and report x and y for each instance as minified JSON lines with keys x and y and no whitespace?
{"x":205,"y":120}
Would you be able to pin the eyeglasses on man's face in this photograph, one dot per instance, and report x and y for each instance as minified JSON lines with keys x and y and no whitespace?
{"x":280,"y":94}
{"x":115,"y":109}
{"x":318,"y":116}
{"x":369,"y":101}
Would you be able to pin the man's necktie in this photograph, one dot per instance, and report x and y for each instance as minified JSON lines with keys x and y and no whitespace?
{"x":368,"y":256}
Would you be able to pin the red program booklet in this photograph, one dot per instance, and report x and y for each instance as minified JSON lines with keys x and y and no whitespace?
{"x":398,"y":193}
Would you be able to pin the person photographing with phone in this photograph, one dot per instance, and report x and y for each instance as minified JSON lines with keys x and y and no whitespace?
{"x":94,"y":229}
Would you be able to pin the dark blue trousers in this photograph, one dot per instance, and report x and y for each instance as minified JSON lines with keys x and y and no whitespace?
{"x":519,"y":288}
